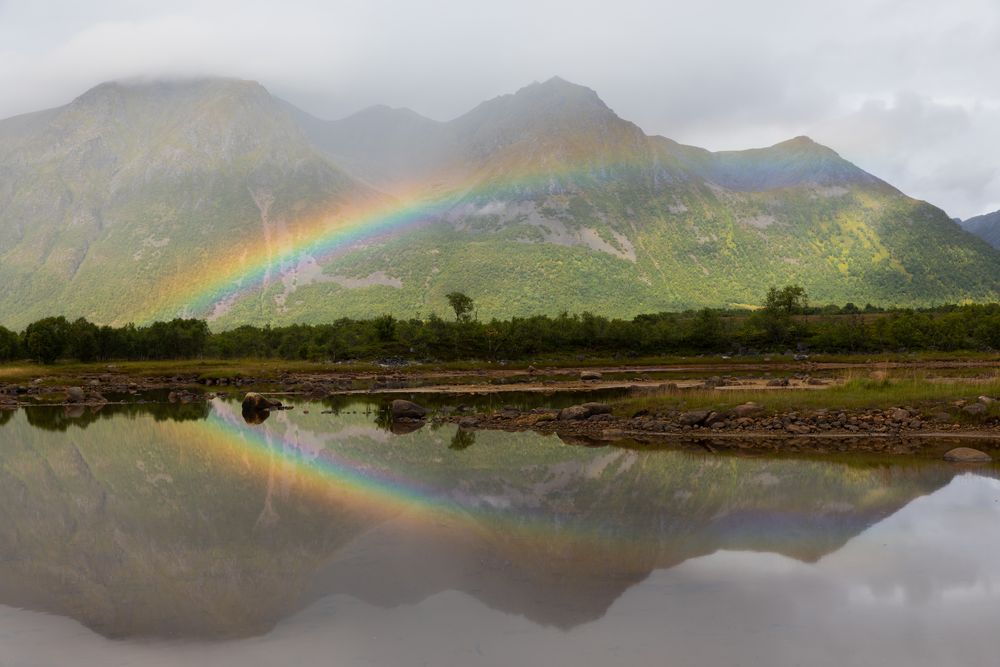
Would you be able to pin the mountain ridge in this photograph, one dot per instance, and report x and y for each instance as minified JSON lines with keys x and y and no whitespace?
{"x":986,"y":227}
{"x":135,"y":194}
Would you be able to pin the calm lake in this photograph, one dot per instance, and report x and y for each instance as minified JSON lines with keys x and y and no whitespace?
{"x":181,"y":535}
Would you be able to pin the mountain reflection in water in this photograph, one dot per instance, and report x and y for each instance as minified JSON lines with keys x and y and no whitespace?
{"x":317,"y":534}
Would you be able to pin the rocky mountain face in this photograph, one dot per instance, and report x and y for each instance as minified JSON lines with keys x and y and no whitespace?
{"x":125,"y":203}
{"x":986,"y":227}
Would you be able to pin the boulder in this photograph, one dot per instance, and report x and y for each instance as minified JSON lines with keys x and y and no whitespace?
{"x":747,"y":409}
{"x":254,"y":402}
{"x":985,"y":400}
{"x":75,"y":395}
{"x":778,"y":382}
{"x":974,"y":409}
{"x":899,"y":414}
{"x":967,"y":455}
{"x":468,"y":422}
{"x":590,"y":376}
{"x":574,"y":412}
{"x":584,"y":411}
{"x":401,"y":409}
{"x":693,"y":417}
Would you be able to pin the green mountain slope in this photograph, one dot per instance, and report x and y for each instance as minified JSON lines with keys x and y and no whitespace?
{"x":202,"y":198}
{"x":134,"y":190}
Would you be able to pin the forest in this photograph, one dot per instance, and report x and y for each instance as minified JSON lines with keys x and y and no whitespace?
{"x":785,"y":322}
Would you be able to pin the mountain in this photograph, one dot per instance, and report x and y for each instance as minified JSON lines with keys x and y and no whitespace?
{"x":213,"y":198}
{"x":986,"y":227}
{"x":136,"y":189}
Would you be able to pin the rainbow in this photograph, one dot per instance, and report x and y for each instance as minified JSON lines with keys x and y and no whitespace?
{"x":330,"y":474}
{"x":325,"y":236}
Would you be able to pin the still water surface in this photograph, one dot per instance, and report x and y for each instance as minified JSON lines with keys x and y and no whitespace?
{"x":180,"y":535}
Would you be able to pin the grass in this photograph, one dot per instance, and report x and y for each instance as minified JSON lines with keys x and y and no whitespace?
{"x":854,"y":393}
{"x":218,"y":368}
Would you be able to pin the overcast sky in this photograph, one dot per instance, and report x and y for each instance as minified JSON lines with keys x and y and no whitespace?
{"x":908,"y":89}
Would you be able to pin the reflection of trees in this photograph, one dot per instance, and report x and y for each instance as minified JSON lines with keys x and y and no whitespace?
{"x":463,"y":439}
{"x":5,"y":416}
{"x":60,"y":418}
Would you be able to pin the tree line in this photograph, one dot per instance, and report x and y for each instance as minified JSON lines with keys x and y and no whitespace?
{"x":786,"y":321}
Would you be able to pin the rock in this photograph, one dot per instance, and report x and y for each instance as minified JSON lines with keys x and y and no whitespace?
{"x":747,"y":409}
{"x":574,"y":412}
{"x":532,"y":370}
{"x":612,"y":434}
{"x":693,"y":417}
{"x":468,"y":422}
{"x":75,"y":395}
{"x":985,"y":400}
{"x":899,"y":414}
{"x":967,"y":455}
{"x":401,"y":409}
{"x":584,"y":411}
{"x":254,"y":402}
{"x":974,"y":409}
{"x":590,"y":376}
{"x":601,"y":418}
{"x":801,"y":357}
{"x":715,"y":418}
{"x":778,"y":382}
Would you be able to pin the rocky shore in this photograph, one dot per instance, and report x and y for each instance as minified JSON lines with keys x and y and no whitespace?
{"x":899,"y":430}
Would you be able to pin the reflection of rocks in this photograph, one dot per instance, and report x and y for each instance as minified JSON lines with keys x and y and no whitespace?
{"x":255,"y":417}
{"x":967,"y":455}
{"x":401,"y":409}
{"x":404,"y":426}
{"x":257,"y":408}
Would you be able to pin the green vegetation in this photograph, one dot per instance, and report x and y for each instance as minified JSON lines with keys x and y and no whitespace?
{"x":785,"y":323}
{"x":572,"y":211}
{"x":855,"y":393}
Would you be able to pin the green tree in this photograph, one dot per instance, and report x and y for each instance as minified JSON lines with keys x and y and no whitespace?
{"x":46,"y":339}
{"x":789,"y":300}
{"x":461,"y":304}
{"x":385,"y":328}
{"x":9,"y":345}
{"x":780,"y":306}
{"x":84,"y":343}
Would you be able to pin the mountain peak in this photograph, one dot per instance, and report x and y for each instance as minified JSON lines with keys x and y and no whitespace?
{"x":557,"y":88}
{"x":805,"y":145}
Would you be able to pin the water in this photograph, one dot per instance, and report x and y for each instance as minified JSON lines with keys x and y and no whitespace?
{"x":180,"y":535}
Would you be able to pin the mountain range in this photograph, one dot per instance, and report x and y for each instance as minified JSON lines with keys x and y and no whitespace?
{"x":986,"y":227}
{"x":213,"y":198}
